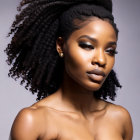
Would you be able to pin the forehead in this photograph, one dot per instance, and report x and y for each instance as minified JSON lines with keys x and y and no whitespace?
{"x":96,"y":28}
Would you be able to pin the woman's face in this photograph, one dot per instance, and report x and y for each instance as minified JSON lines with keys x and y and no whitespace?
{"x":89,"y":54}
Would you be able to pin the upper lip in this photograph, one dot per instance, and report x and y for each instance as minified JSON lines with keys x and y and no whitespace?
{"x":97,"y":72}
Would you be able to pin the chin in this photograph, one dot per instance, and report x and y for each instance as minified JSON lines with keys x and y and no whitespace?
{"x":93,"y":86}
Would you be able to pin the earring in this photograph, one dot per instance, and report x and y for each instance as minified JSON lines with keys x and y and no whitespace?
{"x":61,"y":54}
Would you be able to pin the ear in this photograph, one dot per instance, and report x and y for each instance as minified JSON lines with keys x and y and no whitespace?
{"x":59,"y":45}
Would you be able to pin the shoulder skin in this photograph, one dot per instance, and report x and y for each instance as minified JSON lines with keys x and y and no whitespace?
{"x":31,"y":124}
{"x":120,"y":115}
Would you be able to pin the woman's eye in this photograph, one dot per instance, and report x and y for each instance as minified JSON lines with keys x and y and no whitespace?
{"x":112,"y":52}
{"x":86,"y":45}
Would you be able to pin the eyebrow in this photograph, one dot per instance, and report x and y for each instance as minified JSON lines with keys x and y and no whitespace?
{"x":88,"y":37}
{"x":94,"y":40}
{"x":112,"y":43}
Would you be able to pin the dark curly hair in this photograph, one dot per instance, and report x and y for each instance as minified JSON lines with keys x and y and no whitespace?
{"x":32,"y":50}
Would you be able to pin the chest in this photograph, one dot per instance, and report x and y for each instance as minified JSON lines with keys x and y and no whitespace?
{"x":99,"y":128}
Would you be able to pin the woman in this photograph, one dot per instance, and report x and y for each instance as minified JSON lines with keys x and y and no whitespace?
{"x":65,"y":51}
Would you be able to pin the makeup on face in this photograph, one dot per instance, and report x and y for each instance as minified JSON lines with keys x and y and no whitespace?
{"x":90,"y":54}
{"x":96,"y":75}
{"x":89,"y":43}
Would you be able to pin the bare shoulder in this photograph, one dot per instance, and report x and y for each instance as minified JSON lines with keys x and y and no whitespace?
{"x":119,"y":112}
{"x":25,"y":124}
{"x":29,"y":123}
{"x":121,"y":116}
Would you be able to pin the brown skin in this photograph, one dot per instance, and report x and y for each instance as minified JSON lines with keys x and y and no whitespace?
{"x":72,"y":113}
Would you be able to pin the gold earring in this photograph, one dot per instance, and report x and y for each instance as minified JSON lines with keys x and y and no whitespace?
{"x":61,"y":54}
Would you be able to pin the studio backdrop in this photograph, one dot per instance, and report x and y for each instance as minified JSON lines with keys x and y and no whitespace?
{"x":14,"y":97}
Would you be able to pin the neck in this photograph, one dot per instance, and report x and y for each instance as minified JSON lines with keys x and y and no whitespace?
{"x":76,"y":98}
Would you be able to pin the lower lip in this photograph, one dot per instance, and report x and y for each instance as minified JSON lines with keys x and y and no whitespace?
{"x":95,"y":77}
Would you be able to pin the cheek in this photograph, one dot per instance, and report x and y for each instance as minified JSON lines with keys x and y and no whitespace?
{"x":110,"y":63}
{"x":76,"y":61}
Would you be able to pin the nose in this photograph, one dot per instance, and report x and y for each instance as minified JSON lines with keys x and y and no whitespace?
{"x":99,"y":58}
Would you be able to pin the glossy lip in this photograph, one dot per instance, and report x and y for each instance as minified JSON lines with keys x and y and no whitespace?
{"x":97,"y":72}
{"x":96,"y":75}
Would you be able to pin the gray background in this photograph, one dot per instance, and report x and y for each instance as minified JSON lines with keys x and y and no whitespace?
{"x":127,"y":15}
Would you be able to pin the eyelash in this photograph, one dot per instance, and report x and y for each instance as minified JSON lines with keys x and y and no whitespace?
{"x":85,"y":45}
{"x":111,"y":52}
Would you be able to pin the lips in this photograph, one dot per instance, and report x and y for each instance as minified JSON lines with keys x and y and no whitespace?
{"x":96,"y":75}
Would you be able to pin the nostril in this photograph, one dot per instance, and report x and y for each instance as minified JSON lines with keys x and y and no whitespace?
{"x":99,"y":64}
{"x":99,"y":57}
